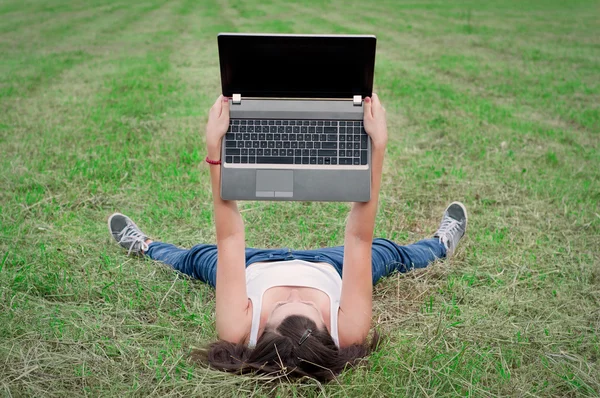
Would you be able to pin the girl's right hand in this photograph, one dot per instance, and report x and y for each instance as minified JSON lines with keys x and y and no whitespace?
{"x":374,"y":121}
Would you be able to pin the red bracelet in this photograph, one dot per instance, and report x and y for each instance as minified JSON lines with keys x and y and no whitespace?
{"x":212,"y":161}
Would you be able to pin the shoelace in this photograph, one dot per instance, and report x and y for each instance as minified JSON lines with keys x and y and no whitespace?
{"x":131,"y":234}
{"x":448,"y":227}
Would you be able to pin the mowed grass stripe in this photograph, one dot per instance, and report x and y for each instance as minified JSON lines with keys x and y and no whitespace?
{"x":72,"y":138}
{"x":463,"y":19}
{"x":17,"y":19}
{"x":55,"y":26}
{"x":520,"y":73}
{"x":50,"y":57}
{"x":477,"y":70}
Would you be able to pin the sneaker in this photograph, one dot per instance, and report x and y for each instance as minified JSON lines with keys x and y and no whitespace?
{"x":127,"y":234}
{"x":453,"y":227}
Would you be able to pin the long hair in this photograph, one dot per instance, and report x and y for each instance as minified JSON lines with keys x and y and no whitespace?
{"x":279,"y":352}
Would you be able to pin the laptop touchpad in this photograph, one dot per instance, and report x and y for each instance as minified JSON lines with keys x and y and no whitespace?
{"x":274,"y":183}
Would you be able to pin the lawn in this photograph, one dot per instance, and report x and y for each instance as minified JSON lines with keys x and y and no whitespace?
{"x":495,"y":104}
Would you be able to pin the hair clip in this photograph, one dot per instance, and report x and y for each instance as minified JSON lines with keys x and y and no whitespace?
{"x":305,"y":336}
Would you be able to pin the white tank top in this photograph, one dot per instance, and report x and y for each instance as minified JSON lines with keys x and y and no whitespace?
{"x":262,"y":276}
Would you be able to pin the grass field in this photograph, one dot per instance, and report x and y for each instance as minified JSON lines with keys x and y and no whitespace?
{"x":102,"y":108}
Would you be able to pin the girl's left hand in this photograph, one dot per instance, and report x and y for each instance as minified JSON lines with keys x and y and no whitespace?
{"x":218,"y":123}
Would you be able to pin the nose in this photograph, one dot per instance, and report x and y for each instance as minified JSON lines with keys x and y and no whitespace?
{"x":294,"y":295}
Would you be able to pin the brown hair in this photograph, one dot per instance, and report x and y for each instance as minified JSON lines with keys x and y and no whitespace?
{"x":288,"y":350}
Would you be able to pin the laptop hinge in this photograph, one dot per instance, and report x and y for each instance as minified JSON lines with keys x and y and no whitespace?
{"x":357,"y":100}
{"x":236,"y":99}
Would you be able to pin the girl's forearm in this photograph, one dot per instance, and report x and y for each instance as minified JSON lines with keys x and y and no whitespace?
{"x":228,"y":220}
{"x":361,"y":221}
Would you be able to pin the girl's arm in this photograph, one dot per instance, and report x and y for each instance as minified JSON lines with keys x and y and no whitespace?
{"x":354,"y":316}
{"x":233,"y":315}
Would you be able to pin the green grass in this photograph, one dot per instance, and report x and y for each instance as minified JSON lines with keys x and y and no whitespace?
{"x":102,"y":108}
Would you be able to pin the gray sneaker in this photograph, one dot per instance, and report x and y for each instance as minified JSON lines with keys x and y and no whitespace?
{"x":127,"y":234}
{"x":453,"y":227}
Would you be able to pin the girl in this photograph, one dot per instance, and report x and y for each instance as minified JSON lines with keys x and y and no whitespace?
{"x":303,"y":313}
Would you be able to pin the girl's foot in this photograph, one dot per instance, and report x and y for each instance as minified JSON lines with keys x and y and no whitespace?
{"x":453,"y":227}
{"x":127,"y":234}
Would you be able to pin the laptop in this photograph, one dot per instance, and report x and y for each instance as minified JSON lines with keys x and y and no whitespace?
{"x":296,"y":116}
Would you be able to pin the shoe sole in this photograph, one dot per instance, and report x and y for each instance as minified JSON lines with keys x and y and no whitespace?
{"x":464,"y":209}
{"x":450,"y":253}
{"x":108,"y":223}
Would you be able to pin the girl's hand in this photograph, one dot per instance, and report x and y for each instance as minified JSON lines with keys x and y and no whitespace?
{"x":217,"y":125}
{"x":375,"y":123}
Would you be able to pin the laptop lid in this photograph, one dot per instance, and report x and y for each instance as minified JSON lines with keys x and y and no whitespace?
{"x":296,"y":66}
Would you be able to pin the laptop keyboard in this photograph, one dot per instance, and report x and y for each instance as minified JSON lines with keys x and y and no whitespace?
{"x":318,"y":142}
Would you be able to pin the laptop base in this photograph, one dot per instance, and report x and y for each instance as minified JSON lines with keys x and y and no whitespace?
{"x":301,"y":185}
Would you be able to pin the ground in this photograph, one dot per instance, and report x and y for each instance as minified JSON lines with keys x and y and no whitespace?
{"x":495,"y":104}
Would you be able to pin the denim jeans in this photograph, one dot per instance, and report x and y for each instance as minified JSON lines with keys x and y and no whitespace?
{"x":200,"y":262}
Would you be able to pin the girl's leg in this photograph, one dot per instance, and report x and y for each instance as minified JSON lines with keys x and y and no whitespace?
{"x":199,"y":262}
{"x":387,"y":256}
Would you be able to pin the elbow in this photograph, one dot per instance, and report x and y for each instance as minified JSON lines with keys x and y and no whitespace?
{"x":359,"y":237}
{"x":232,"y":334}
{"x":234,"y":238}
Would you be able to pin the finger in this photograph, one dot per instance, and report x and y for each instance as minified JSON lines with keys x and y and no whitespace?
{"x":376,"y":105}
{"x":367,"y":108}
{"x":216,"y":108}
{"x":224,"y":107}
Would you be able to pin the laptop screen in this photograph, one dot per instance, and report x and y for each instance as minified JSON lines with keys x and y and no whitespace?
{"x":296,"y":66}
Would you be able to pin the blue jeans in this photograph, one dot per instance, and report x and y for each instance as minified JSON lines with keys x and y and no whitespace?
{"x":200,"y":262}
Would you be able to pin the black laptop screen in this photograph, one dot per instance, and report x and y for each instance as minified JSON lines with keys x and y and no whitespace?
{"x":296,"y":66}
